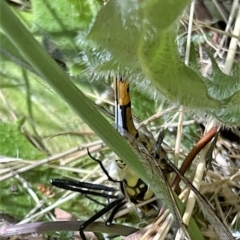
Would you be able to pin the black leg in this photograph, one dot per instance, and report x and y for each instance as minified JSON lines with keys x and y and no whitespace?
{"x":99,"y":214}
{"x":102,"y":167}
{"x":113,"y":213}
{"x":82,"y":187}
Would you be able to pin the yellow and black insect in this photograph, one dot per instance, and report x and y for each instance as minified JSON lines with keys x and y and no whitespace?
{"x":131,"y":186}
{"x":135,"y":189}
{"x":154,"y":160}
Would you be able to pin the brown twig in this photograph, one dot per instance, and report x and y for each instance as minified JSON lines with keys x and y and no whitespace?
{"x":193,"y":153}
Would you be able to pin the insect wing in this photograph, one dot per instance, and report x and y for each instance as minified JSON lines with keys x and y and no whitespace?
{"x":219,"y":227}
{"x":143,"y":143}
{"x":160,"y":184}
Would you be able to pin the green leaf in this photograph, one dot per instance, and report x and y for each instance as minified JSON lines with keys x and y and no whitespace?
{"x":144,"y":48}
{"x":15,"y":144}
{"x":126,"y":23}
{"x":61,"y":15}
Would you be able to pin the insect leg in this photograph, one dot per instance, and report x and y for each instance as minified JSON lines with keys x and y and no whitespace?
{"x":102,"y":167}
{"x":115,"y":209}
{"x":80,"y":187}
{"x":99,"y":214}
